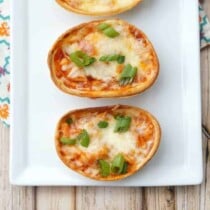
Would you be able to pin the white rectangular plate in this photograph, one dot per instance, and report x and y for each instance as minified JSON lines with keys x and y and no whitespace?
{"x":37,"y":104}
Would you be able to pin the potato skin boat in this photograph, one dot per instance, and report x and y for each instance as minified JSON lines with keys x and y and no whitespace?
{"x":83,"y":160}
{"x":148,"y":63}
{"x":107,"y":11}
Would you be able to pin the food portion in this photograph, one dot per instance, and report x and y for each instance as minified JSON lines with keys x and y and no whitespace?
{"x":98,"y":7}
{"x":107,"y":143}
{"x":99,"y":59}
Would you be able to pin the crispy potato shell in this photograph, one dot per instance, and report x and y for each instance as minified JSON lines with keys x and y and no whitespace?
{"x":112,"y":93}
{"x":68,"y":5}
{"x":113,"y":109}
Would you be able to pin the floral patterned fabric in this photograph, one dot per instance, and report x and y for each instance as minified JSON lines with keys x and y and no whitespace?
{"x":4,"y":61}
{"x":5,"y":55}
{"x":204,"y":28}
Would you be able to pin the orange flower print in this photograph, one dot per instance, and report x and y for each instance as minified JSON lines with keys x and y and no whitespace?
{"x":4,"y":29}
{"x":4,"y":111}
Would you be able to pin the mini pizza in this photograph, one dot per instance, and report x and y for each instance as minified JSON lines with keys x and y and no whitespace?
{"x":103,"y":59}
{"x":107,"y":143}
{"x":98,"y":7}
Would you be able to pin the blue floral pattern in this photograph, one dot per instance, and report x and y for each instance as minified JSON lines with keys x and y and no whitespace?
{"x":4,"y":62}
{"x":204,"y":28}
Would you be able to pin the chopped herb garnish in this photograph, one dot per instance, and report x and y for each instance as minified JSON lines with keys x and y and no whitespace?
{"x":119,"y":58}
{"x":103,"y":124}
{"x":66,"y":140}
{"x":125,"y":168}
{"x":108,"y":30}
{"x":81,"y":59}
{"x":103,"y":26}
{"x":111,"y":32}
{"x":84,"y":138}
{"x":117,"y":164}
{"x":128,"y":74}
{"x":105,"y":168}
{"x":122,"y":124}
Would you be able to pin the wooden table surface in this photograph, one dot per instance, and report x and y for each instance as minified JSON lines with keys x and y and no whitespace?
{"x":101,"y":198}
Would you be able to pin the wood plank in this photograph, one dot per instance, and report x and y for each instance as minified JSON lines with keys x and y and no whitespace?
{"x":93,"y":198}
{"x":149,"y":198}
{"x":5,"y":190}
{"x":203,"y":185}
{"x":159,"y":198}
{"x":166,"y":198}
{"x":17,"y":198}
{"x":22,"y":198}
{"x":55,"y":198}
{"x":205,"y":63}
{"x":205,"y":196}
{"x":207,"y":180}
{"x":206,"y":119}
{"x":181,"y":200}
{"x":112,"y":198}
{"x":188,"y":198}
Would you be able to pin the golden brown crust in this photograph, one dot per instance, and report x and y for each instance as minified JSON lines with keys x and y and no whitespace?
{"x":122,"y":92}
{"x":109,"y":12}
{"x":153,"y":150}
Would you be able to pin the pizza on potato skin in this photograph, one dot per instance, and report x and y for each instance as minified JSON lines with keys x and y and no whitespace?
{"x":95,"y":58}
{"x":98,"y":7}
{"x":100,"y":142}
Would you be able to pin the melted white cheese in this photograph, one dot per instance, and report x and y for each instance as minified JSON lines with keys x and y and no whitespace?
{"x":116,"y":143}
{"x":102,"y":71}
{"x":70,"y":48}
{"x":124,"y":143}
{"x":124,"y":44}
